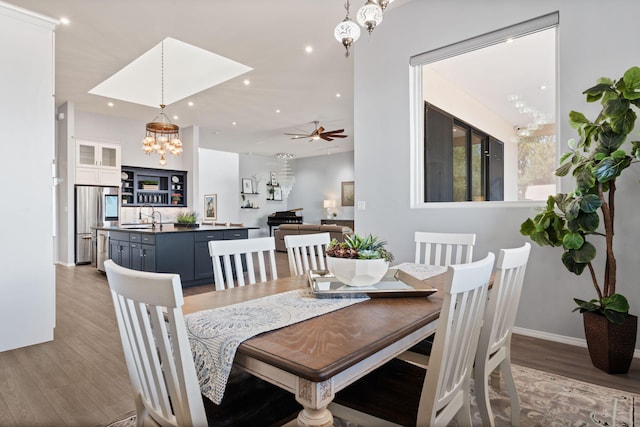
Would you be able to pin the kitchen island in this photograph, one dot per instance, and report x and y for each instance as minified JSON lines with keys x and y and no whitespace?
{"x":172,"y":249}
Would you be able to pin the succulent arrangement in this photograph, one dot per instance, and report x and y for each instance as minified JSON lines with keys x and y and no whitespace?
{"x":358,"y":247}
{"x":187,"y":217}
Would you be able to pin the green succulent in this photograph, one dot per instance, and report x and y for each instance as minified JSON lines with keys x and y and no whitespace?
{"x":358,"y":247}
{"x":187,"y":217}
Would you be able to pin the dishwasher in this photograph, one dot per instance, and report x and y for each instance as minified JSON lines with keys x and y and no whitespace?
{"x":102,"y":249}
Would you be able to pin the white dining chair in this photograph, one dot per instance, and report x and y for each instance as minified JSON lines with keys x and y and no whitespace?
{"x":494,"y":348}
{"x":440,"y":249}
{"x":161,"y":368}
{"x":403,"y":393}
{"x":230,"y":257}
{"x":306,"y":252}
{"x":444,"y":248}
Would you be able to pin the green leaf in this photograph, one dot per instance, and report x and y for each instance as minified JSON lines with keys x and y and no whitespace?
{"x":624,"y":123}
{"x":571,"y":264}
{"x":527,"y":227}
{"x":565,"y":156}
{"x":609,"y":168}
{"x":576,"y":120}
{"x":586,"y":305}
{"x":616,"y":302}
{"x":610,"y":140}
{"x":614,"y":316}
{"x":564,"y":169}
{"x":572,"y":240}
{"x":616,"y":107}
{"x":594,"y":93}
{"x":590,"y":203}
{"x":587,"y":222}
{"x":584,"y":178}
{"x":585,"y":254}
{"x":632,"y":83}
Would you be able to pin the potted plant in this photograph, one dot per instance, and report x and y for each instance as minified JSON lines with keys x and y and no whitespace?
{"x":358,"y":261}
{"x":187,"y":219}
{"x":569,"y":220}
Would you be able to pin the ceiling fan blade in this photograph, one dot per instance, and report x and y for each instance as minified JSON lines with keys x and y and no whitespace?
{"x":318,"y":131}
{"x":300,"y":136}
{"x":335,"y":131}
{"x":326,"y":138}
{"x":297,"y":134}
{"x":337,"y":136}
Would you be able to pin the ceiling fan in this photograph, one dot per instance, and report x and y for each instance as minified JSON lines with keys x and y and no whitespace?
{"x":319,"y":133}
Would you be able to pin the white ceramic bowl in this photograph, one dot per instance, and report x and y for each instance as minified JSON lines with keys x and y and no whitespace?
{"x":357,"y":272}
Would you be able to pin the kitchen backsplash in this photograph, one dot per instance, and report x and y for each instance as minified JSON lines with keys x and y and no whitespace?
{"x":130,"y":215}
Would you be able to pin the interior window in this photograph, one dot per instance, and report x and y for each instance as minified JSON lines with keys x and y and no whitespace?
{"x":499,"y":88}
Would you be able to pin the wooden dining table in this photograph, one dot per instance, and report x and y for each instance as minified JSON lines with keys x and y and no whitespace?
{"x":316,"y":358}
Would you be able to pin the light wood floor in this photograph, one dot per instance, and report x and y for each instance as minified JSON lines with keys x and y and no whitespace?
{"x":80,"y":378}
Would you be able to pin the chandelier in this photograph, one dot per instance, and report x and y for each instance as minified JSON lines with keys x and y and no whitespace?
{"x":368,"y":16}
{"x":162,"y":136}
{"x":286,"y":177}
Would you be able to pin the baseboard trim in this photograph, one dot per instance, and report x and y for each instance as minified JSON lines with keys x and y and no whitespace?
{"x":563,"y":339}
{"x":65,"y":264}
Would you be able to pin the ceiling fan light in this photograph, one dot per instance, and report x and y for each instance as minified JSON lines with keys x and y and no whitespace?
{"x":369,"y":15}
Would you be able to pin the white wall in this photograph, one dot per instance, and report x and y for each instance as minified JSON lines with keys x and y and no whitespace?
{"x":382,"y":150}
{"x":319,"y":178}
{"x":27,"y":286}
{"x":219,"y":172}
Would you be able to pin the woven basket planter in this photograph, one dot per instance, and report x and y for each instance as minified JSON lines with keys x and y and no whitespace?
{"x":610,"y":346}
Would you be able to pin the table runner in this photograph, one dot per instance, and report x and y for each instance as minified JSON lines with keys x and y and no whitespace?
{"x":215,"y":334}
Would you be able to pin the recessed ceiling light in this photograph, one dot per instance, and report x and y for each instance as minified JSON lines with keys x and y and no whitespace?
{"x":190,"y":103}
{"x":64,"y":21}
{"x":308,"y":49}
{"x":277,"y":111}
{"x":246,"y":82}
{"x":110,"y":104}
{"x":543,"y":87}
{"x":509,"y":40}
{"x":234,"y":123}
{"x":176,"y":118}
{"x":338,"y":95}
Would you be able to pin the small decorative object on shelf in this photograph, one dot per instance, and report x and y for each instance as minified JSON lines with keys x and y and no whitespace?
{"x":358,"y":261}
{"x":187,"y":219}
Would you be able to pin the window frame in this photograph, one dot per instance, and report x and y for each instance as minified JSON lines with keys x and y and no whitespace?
{"x":417,"y":118}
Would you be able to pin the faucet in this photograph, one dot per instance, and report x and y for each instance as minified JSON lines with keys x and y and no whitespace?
{"x":153,"y":213}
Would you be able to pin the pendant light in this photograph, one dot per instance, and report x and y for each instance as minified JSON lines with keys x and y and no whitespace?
{"x":369,"y":15}
{"x":347,"y":31}
{"x":162,"y":136}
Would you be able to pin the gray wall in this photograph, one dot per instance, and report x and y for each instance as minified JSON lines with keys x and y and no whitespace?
{"x":588,"y":48}
{"x":319,"y":178}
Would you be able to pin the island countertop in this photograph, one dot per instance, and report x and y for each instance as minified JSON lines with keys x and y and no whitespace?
{"x":170,"y":228}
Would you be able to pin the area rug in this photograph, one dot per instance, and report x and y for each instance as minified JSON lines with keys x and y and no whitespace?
{"x":545,"y":400}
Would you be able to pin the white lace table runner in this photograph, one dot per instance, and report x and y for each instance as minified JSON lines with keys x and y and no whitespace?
{"x":215,"y":334}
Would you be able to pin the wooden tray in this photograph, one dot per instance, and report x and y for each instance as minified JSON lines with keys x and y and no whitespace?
{"x":395,"y":283}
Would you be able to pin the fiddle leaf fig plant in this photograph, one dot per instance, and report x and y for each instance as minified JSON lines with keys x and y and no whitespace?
{"x":588,"y":212}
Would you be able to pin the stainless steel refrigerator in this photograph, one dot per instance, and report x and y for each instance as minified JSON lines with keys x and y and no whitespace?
{"x":94,"y":207}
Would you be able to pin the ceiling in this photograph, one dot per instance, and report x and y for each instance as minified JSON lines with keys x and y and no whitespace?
{"x":269,"y":37}
{"x":288,"y":87}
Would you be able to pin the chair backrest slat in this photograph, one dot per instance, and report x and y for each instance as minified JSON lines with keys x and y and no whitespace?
{"x":443,"y":248}
{"x":306,"y":251}
{"x":231,"y":258}
{"x":156,"y":346}
{"x":455,"y":343}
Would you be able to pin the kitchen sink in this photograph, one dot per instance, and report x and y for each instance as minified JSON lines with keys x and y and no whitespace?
{"x":136,"y":227}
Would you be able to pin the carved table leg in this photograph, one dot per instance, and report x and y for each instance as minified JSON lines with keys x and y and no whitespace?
{"x":315,"y":397}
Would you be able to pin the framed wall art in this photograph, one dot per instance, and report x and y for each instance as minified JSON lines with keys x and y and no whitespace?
{"x":277,"y":193}
{"x":247,"y":185}
{"x":210,"y":207}
{"x":348,"y":193}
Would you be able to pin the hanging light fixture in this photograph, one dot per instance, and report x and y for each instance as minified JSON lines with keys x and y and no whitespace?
{"x":162,"y":136}
{"x":286,"y":177}
{"x":347,"y":31}
{"x":384,"y":3}
{"x":369,"y":15}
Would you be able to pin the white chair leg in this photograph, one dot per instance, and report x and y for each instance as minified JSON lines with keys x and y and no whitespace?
{"x":505,"y":368}
{"x":464,"y":414}
{"x":481,"y":385}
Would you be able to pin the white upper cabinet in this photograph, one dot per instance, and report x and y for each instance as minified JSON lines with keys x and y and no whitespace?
{"x":97,"y":163}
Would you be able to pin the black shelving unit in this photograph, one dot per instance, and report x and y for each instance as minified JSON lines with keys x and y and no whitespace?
{"x":155,"y":187}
